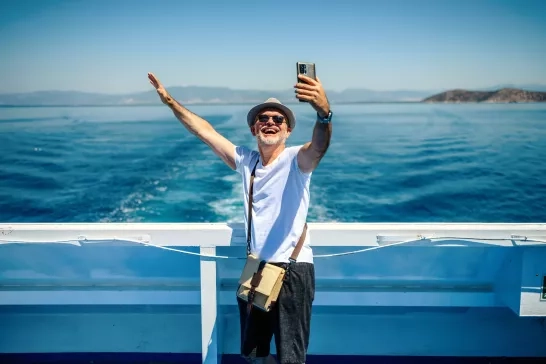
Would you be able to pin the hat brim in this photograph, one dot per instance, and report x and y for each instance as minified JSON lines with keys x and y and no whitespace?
{"x":251,"y":117}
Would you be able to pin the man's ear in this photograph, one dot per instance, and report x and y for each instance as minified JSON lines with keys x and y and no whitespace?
{"x":252,"y":131}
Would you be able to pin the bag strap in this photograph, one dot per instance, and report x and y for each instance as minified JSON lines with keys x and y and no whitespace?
{"x":250,"y":195}
{"x":299,"y":245}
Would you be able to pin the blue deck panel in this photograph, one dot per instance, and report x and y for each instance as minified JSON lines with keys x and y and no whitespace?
{"x":195,"y":358}
{"x":428,"y":303}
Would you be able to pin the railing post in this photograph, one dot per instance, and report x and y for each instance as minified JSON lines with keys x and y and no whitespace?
{"x":211,"y":318}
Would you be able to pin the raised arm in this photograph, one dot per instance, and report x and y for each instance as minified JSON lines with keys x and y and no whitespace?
{"x":312,"y":152}
{"x":198,"y":126}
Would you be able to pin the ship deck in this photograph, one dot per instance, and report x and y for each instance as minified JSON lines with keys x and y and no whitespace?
{"x":393,"y":293}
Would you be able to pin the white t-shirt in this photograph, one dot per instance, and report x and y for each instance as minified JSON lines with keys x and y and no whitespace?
{"x":280,"y":204}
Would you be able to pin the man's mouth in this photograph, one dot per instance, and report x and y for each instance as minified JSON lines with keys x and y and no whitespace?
{"x":269,"y":131}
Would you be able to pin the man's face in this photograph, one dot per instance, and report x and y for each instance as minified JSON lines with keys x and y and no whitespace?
{"x":271,"y":127}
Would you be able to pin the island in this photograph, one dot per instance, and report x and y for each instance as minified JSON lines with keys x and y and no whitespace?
{"x":504,"y":95}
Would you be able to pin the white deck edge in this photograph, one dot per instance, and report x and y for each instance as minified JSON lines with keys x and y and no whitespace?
{"x":224,"y":234}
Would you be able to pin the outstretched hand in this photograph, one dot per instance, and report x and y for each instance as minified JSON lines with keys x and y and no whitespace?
{"x":163,"y":94}
{"x":312,"y":91}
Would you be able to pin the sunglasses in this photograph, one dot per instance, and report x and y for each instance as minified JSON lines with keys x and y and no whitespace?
{"x":278,"y":119}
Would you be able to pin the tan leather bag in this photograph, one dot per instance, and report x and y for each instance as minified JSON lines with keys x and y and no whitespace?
{"x":261,"y":282}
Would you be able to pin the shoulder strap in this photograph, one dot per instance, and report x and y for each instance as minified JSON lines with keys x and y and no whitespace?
{"x":250,"y":195}
{"x":298,"y":247}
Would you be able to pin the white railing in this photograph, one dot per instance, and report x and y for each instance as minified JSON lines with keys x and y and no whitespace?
{"x":322,"y":234}
{"x":431,"y":265}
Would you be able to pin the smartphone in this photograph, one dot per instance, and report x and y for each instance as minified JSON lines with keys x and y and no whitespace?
{"x":307,"y":69}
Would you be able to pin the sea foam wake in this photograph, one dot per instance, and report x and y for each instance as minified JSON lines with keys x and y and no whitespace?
{"x":386,"y":163}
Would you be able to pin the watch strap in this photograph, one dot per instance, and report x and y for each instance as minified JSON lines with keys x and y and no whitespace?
{"x":326,"y":119}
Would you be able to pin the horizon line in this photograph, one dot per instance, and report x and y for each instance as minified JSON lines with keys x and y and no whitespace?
{"x":443,"y":89}
{"x":219,"y":87}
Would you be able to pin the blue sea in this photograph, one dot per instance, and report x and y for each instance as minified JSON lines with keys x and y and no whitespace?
{"x":386,"y":163}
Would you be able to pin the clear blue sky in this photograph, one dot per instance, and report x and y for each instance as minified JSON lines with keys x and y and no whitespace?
{"x":110,"y":45}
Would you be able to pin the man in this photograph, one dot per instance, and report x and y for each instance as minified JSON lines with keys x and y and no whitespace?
{"x":279,"y":211}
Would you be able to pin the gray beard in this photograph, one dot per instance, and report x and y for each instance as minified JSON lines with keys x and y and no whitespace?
{"x":278,"y":139}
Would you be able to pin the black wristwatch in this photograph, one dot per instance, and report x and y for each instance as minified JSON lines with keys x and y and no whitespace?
{"x":325,"y":120}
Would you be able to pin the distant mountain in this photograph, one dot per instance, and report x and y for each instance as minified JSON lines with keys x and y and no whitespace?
{"x":191,"y":95}
{"x":505,"y":95}
{"x":528,"y":87}
{"x":200,"y":95}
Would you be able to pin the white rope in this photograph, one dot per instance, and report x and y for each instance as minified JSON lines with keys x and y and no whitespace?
{"x":176,"y":250}
{"x":34,"y":242}
{"x":124,"y":241}
{"x":366,"y":249}
{"x":523,"y":238}
{"x":417,"y":239}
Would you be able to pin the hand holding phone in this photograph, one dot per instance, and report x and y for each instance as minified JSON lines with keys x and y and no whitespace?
{"x":311,"y":91}
{"x":307,"y":69}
